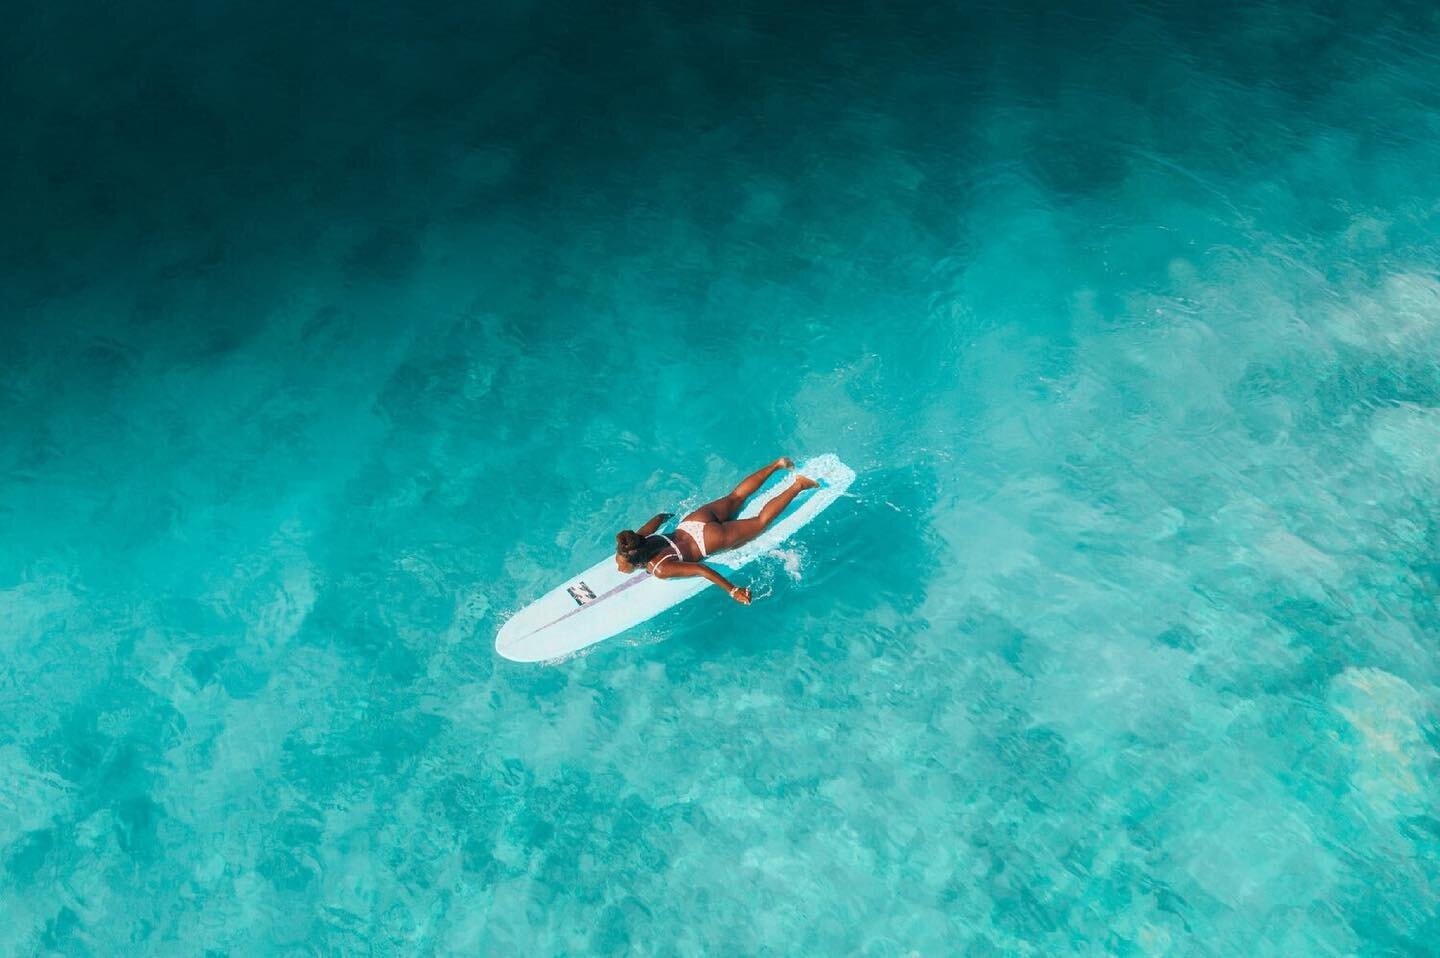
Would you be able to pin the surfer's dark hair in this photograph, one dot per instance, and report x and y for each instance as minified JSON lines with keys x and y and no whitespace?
{"x":630,"y":545}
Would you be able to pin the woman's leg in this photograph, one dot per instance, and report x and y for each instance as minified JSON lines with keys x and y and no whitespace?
{"x":728,"y":507}
{"x":741,"y":531}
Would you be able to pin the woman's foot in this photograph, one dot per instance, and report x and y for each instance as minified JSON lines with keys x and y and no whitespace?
{"x":805,"y":482}
{"x":784,"y":462}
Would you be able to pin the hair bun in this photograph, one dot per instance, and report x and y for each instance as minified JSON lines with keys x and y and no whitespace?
{"x":628,"y":544}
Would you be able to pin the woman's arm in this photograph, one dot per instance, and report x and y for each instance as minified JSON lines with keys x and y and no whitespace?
{"x":648,"y":529}
{"x":680,"y":570}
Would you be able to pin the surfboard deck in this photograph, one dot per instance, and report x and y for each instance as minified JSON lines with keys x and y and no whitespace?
{"x":603,"y":602}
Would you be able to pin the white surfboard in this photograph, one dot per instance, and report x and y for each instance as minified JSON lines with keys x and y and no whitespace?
{"x":602,"y":601}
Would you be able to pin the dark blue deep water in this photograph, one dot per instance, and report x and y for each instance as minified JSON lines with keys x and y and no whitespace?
{"x":336,"y":333}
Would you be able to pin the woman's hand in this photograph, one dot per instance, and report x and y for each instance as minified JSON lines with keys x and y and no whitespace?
{"x":741,"y":595}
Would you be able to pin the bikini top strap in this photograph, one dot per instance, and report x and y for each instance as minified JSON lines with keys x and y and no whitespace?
{"x":675,"y":553}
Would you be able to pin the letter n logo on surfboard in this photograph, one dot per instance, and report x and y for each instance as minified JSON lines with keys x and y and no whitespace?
{"x":581,"y":593}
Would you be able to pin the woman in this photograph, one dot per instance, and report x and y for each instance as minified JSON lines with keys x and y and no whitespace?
{"x":711,"y":528}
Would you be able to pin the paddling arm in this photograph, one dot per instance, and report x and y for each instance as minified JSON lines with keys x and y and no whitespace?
{"x":681,"y":570}
{"x":648,"y":529}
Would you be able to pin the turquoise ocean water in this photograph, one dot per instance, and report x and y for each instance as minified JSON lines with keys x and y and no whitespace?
{"x":336,"y":333}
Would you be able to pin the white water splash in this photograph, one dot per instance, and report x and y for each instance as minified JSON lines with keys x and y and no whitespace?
{"x":791,"y":560}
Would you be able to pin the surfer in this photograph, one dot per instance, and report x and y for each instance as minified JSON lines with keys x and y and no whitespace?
{"x":711,"y":528}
